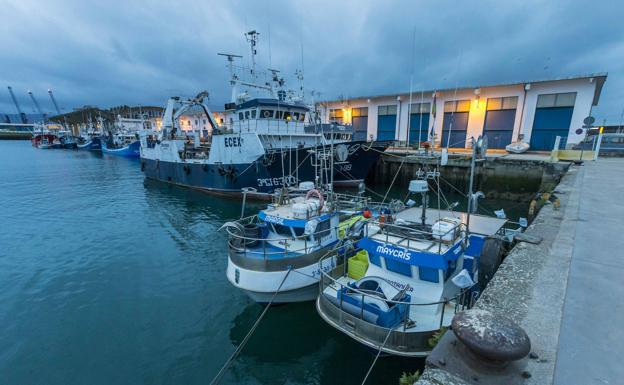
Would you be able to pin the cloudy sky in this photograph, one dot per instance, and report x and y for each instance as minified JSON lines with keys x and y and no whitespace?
{"x":112,"y":52}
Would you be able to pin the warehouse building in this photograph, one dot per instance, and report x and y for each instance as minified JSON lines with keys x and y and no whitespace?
{"x":538,"y":111}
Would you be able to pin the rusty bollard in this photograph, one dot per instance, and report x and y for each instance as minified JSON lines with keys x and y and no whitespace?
{"x":495,"y":340}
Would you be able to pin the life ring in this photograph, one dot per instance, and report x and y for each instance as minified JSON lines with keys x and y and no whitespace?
{"x":318,"y":195}
{"x":266,"y":114}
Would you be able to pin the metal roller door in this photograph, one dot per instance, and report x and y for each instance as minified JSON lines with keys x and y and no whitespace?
{"x":499,"y":121}
{"x":455,"y":123}
{"x":553,"y":116}
{"x":386,"y":122}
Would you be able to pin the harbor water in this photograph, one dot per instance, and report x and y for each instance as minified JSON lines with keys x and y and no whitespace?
{"x":106,"y":277}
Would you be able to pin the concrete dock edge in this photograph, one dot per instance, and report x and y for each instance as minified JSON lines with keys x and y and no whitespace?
{"x":530,"y":286}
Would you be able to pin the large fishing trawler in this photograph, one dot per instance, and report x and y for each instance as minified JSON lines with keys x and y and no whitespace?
{"x":271,"y":139}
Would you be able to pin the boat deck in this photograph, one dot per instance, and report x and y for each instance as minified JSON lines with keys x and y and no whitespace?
{"x":479,"y":224}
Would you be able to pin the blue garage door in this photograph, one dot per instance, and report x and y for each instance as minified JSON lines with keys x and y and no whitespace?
{"x":455,"y":123}
{"x":499,"y":121}
{"x":386,"y":122}
{"x":419,"y":122}
{"x":553,"y":116}
{"x":359,"y":121}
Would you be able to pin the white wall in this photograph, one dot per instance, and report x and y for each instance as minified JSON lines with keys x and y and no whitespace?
{"x":525,"y":112}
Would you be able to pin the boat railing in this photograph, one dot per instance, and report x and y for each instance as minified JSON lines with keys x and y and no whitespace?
{"x":256,"y":252}
{"x":404,"y":338}
{"x":416,"y":236}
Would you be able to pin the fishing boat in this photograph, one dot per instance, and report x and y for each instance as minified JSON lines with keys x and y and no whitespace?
{"x":90,"y":138}
{"x":274,"y":255}
{"x":68,"y":141}
{"x":44,"y":144}
{"x":408,"y":275}
{"x":124,"y":144}
{"x":46,"y":138}
{"x":269,"y":138}
{"x":89,"y":142}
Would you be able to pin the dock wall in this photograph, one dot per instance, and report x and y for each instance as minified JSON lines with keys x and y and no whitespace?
{"x":515,"y":179}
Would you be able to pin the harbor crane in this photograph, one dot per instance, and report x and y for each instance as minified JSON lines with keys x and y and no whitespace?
{"x":37,"y":107}
{"x":56,"y":107}
{"x":19,"y":110}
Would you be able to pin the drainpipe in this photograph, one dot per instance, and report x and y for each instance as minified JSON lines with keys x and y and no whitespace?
{"x":398,"y":126}
{"x":526,"y":87}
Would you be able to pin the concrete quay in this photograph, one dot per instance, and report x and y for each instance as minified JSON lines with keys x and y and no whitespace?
{"x":566,"y":292}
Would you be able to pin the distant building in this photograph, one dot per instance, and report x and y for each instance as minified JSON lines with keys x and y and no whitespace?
{"x":540,"y":110}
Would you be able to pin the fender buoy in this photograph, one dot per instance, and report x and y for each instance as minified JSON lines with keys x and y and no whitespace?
{"x":318,"y":195}
{"x":187,"y":169}
{"x":142,"y":166}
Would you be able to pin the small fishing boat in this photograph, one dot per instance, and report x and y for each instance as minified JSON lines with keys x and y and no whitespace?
{"x":409,"y":274}
{"x":68,"y":141}
{"x":122,"y":144}
{"x":44,"y":144}
{"x":405,"y":279}
{"x":93,"y":143}
{"x":274,"y":255}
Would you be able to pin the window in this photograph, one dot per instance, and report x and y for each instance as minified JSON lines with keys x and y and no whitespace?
{"x":420,"y":108}
{"x":399,"y":267}
{"x":299,"y":231}
{"x":196,"y":122}
{"x":246,"y":114}
{"x":428,"y":274}
{"x":505,"y":103}
{"x":322,"y":230}
{"x":556,"y":100}
{"x":282,"y":230}
{"x":279,"y":114}
{"x":240,"y":116}
{"x":336,"y":115}
{"x":189,"y":122}
{"x":253,"y":114}
{"x":205,"y":121}
{"x":302,"y":117}
{"x":295,"y":115}
{"x":359,"y":111}
{"x":387,"y":110}
{"x":287,"y":115}
{"x":267,"y":114}
{"x":457,"y":106}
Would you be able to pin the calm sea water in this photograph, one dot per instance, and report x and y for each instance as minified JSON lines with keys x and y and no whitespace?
{"x":108,"y":279}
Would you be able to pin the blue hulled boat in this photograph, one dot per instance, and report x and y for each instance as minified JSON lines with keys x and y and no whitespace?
{"x":90,"y":143}
{"x":126,"y":144}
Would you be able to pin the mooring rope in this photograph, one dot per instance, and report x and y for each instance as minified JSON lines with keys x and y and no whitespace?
{"x":376,"y":357}
{"x":217,"y":379}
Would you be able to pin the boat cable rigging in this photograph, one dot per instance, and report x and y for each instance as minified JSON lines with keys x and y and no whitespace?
{"x":217,"y":379}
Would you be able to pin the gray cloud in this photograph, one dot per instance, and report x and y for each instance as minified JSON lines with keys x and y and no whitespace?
{"x":108,"y":53}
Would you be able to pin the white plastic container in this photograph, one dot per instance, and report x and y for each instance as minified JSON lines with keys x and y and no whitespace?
{"x":305,"y":186}
{"x":418,"y":186}
{"x":445,"y":229}
{"x":300,"y":210}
